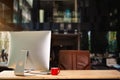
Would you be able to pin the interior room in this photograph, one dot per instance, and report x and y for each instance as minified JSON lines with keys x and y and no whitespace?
{"x":85,"y":34}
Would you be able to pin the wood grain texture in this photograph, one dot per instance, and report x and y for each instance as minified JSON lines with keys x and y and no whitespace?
{"x":66,"y":74}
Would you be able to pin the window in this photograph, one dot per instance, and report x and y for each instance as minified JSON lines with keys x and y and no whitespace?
{"x":112,"y":42}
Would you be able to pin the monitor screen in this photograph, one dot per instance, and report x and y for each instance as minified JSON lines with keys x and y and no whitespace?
{"x":37,"y":44}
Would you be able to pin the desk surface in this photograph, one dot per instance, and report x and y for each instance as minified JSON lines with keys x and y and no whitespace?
{"x":67,"y":74}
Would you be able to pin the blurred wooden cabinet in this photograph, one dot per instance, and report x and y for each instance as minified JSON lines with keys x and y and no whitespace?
{"x":74,"y":59}
{"x":72,"y":41}
{"x":63,"y":42}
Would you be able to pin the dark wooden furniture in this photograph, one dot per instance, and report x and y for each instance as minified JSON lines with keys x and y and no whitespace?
{"x":68,"y":40}
{"x":62,"y":41}
{"x":74,"y":60}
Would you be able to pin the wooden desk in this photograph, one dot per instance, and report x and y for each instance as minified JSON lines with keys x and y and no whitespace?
{"x":67,"y":74}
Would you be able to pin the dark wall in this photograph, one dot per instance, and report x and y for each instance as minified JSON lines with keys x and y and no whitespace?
{"x":9,"y":3}
{"x":95,"y":17}
{"x":99,"y":42}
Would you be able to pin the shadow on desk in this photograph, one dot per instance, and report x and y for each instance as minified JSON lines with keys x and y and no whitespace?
{"x":4,"y":68}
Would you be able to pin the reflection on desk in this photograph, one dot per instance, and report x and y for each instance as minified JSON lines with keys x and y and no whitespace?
{"x":67,"y":74}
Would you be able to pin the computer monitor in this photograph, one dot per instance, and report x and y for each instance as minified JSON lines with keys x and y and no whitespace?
{"x":37,"y":44}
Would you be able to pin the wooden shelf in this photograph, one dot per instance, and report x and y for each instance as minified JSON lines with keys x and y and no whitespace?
{"x":66,"y":40}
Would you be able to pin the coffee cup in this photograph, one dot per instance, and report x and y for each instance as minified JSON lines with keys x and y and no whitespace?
{"x":55,"y":70}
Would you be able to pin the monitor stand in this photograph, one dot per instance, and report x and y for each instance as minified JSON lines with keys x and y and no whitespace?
{"x":40,"y":72}
{"x":20,"y":63}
